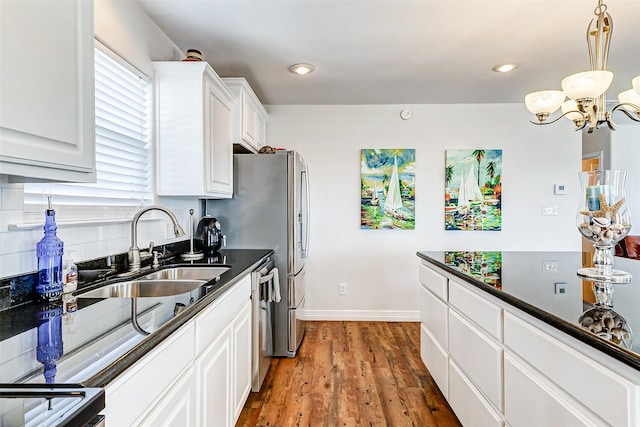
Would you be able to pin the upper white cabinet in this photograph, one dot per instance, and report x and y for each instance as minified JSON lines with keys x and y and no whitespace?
{"x":195,"y":152}
{"x":249,"y":116}
{"x":47,"y":90}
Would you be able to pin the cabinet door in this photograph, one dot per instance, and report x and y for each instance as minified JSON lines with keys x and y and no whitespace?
{"x":178,"y":407}
{"x":214,"y":374}
{"x":131,"y":395}
{"x":531,"y":400}
{"x":248,"y":120}
{"x":47,"y":90}
{"x":470,"y":406}
{"x":433,"y":314}
{"x":242,"y":358}
{"x":218,"y":144}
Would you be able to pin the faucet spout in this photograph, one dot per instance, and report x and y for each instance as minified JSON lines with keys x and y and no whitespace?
{"x":134,"y":251}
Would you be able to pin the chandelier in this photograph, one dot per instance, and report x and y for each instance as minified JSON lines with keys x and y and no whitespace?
{"x":586,"y":91}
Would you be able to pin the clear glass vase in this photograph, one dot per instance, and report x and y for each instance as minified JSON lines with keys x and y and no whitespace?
{"x":603,"y":219}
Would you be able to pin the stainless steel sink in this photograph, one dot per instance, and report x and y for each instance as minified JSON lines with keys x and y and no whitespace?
{"x":187,"y":273}
{"x":162,"y":283}
{"x":144,"y":288}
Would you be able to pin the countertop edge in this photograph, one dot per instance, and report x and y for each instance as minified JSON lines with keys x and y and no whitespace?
{"x":124,"y":362}
{"x":610,"y":349}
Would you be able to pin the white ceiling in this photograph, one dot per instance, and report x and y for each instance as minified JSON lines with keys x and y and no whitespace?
{"x":399,"y":51}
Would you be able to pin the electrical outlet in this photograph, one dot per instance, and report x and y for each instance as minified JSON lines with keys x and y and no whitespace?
{"x":342,"y":288}
{"x":549,"y":266}
{"x":549,"y":210}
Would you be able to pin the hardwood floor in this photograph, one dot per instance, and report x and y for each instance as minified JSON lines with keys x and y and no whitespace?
{"x":351,"y":374}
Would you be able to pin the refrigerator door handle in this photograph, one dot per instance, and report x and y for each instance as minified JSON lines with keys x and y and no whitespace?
{"x":304,"y":215}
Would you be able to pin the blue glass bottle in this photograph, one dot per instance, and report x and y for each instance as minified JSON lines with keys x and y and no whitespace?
{"x":49,"y":250}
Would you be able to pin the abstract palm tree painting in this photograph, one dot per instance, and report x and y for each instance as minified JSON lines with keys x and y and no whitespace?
{"x":387,"y":188}
{"x":473,"y":190}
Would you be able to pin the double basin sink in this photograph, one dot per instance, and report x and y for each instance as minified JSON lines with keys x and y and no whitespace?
{"x":161,"y":283}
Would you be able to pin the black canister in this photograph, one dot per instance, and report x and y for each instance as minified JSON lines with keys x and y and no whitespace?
{"x":209,"y":232}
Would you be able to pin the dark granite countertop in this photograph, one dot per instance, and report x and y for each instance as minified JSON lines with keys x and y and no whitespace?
{"x":545,"y":285}
{"x":97,"y":342}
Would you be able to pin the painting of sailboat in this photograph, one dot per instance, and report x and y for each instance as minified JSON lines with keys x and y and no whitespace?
{"x":387,"y":189}
{"x":473,"y":190}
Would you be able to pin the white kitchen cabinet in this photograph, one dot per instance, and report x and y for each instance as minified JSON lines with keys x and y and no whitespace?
{"x":249,"y":116}
{"x":214,"y":373}
{"x":223,"y":364}
{"x":552,"y":368}
{"x":469,"y":405}
{"x":506,"y":367}
{"x":131,"y":397}
{"x":200,"y":375}
{"x":193,"y":120}
{"x":242,"y":358}
{"x":47,"y":90}
{"x":178,"y":407}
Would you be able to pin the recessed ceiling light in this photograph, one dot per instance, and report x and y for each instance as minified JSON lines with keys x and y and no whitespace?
{"x":504,"y":68}
{"x":301,"y":69}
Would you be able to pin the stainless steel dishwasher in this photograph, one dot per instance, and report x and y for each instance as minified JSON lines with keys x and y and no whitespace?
{"x":265,"y":292}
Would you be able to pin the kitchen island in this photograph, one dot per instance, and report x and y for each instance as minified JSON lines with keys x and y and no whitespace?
{"x":139,"y":349}
{"x":501,"y":336}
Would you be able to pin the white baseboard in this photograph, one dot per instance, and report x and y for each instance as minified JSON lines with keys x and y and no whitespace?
{"x":362,"y":315}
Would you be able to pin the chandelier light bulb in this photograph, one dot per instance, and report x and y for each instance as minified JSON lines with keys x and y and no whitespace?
{"x":570,"y":108}
{"x":630,"y":97}
{"x":636,"y":84}
{"x":544,"y":102}
{"x":587,"y":85}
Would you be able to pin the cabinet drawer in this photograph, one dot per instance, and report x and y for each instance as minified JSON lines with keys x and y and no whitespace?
{"x":470,"y":406}
{"x":212,"y":320}
{"x":433,"y":314}
{"x":478,"y":356}
{"x":132,"y":393}
{"x":433,"y":281}
{"x":436,"y":360}
{"x":483,"y":313}
{"x":574,"y":372}
{"x":530,"y":401}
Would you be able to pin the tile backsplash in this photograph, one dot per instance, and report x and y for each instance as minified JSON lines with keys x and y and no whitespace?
{"x":83,"y":241}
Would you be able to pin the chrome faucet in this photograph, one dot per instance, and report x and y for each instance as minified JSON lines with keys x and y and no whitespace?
{"x":134,"y":251}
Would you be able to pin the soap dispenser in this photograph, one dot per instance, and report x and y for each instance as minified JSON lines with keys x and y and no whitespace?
{"x":49,"y":251}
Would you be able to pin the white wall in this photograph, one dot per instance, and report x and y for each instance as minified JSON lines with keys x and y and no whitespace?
{"x":380,"y":266}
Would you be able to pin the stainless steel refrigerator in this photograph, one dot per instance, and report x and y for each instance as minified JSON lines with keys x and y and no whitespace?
{"x":270,"y":210}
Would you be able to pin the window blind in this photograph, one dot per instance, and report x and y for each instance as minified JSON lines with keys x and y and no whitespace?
{"x":123,"y":155}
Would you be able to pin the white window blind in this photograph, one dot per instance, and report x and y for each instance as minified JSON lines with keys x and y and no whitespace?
{"x":123,"y":155}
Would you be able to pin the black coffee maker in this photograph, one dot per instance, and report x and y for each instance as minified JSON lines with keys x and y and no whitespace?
{"x":209,"y":232}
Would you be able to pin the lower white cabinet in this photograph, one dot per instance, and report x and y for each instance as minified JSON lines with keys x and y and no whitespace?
{"x":224,"y":372}
{"x":199,"y":376}
{"x":213,"y":370}
{"x":178,"y":406}
{"x":569,"y":383}
{"x":498,"y":366}
{"x":242,"y":350}
{"x":470,"y":406}
{"x":532,"y":401}
{"x":131,"y":396}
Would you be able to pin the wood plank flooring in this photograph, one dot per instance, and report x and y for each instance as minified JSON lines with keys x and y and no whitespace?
{"x":351,"y":374}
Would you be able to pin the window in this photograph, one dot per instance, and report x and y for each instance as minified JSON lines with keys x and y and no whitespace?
{"x":123,"y":155}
